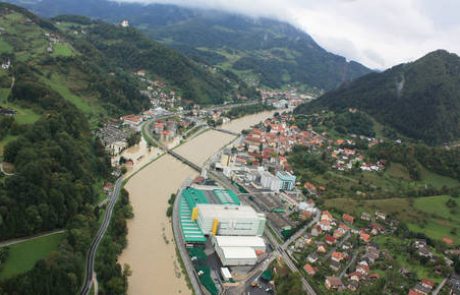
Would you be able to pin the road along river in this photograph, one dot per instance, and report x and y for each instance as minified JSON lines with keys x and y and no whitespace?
{"x":151,"y":251}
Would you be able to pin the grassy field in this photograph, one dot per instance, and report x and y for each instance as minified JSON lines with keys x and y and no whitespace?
{"x":436,"y":180}
{"x":91,"y":109}
{"x":57,"y":83}
{"x":63,"y":49}
{"x":23,"y":256}
{"x":393,"y":246}
{"x":32,"y":43}
{"x":24,"y":115}
{"x":5,"y":47}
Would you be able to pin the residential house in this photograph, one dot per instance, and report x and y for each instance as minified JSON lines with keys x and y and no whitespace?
{"x":333,"y":283}
{"x":365,"y":216}
{"x":355,"y":276}
{"x":321,"y":248}
{"x":364,"y":236}
{"x":377,"y":229}
{"x":421,"y":289}
{"x":330,"y":240}
{"x":334,"y":265}
{"x":325,"y":215}
{"x":371,"y":255}
{"x":362,"y":268}
{"x":380,"y":215}
{"x":353,"y":285}
{"x":316,"y":230}
{"x":427,"y":283}
{"x":338,"y":256}
{"x":311,"y":270}
{"x":325,"y":225}
{"x":309,"y":240}
{"x":313,"y":257}
{"x":348,"y":218}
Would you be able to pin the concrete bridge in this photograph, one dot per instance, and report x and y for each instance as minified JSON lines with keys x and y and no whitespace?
{"x":184,"y":160}
{"x":225,"y":131}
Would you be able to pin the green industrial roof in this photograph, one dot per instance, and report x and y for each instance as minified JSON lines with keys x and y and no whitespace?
{"x":193,"y":197}
{"x":227,"y":197}
{"x":190,"y":229}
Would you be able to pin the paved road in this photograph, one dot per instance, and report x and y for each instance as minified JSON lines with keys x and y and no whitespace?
{"x":436,"y":291}
{"x":329,"y":254}
{"x":20,"y":240}
{"x":300,"y":232}
{"x":287,"y":259}
{"x":353,"y":259}
{"x":91,"y":255}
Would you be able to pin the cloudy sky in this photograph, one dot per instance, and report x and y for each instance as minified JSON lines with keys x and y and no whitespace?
{"x":378,"y":33}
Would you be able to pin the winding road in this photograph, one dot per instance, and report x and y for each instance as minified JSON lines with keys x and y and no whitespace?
{"x":91,"y":255}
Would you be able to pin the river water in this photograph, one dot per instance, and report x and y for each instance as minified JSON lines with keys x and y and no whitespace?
{"x":151,"y":251}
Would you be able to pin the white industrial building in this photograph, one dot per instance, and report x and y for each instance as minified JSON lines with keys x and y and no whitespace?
{"x":253,"y":242}
{"x":230,"y":220}
{"x":234,"y":256}
{"x":238,"y":250}
{"x":269,"y":181}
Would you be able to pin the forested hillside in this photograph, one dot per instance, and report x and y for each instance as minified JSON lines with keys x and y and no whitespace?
{"x":129,"y":49}
{"x":261,"y":51}
{"x":420,"y":100}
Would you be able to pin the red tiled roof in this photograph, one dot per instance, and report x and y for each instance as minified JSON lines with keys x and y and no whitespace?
{"x":309,"y":269}
{"x":348,"y":218}
{"x":428,"y":282}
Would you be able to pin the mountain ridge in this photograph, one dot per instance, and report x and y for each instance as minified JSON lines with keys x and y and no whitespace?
{"x":420,"y":99}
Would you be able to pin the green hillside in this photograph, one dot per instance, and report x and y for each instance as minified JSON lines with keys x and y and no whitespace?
{"x":420,"y":100}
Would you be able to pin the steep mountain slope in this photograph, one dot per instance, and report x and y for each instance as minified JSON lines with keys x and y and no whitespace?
{"x":419,"y":99}
{"x":261,"y":51}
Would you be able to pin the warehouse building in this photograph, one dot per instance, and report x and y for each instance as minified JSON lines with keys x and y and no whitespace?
{"x":229,"y":220}
{"x":255,"y":243}
{"x":188,"y":214}
{"x":235,"y":256}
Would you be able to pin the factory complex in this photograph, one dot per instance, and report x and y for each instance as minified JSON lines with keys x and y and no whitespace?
{"x":211,"y":216}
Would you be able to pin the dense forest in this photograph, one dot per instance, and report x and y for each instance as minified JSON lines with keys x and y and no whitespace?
{"x":56,"y":164}
{"x":420,"y":100}
{"x":273,"y":52}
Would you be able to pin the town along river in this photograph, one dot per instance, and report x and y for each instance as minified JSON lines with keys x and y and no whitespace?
{"x":151,"y":251}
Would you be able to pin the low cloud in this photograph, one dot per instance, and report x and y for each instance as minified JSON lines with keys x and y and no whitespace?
{"x":377,"y":33}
